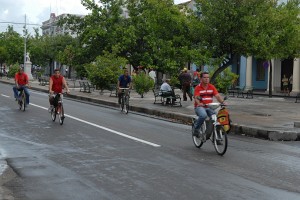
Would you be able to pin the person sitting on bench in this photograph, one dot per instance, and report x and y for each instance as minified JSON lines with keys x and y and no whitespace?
{"x":167,"y":91}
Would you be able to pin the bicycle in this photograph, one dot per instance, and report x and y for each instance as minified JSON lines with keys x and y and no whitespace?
{"x":58,"y":109}
{"x":125,"y":100}
{"x":212,"y":130}
{"x":22,"y":99}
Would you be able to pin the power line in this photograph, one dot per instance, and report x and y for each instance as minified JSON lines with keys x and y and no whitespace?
{"x":22,"y":23}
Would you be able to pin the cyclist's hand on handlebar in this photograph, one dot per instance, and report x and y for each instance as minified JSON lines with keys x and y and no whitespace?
{"x":200,"y":104}
{"x":224,"y":103}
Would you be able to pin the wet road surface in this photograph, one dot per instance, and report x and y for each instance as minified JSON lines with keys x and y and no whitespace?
{"x":99,"y":153}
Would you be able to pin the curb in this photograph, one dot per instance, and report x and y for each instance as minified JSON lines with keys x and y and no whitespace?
{"x":272,"y":135}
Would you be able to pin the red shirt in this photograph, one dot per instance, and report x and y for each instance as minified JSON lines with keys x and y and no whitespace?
{"x":21,"y":79}
{"x":57,"y":83}
{"x":206,"y":94}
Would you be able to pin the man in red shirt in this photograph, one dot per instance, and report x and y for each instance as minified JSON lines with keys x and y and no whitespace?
{"x":206,"y":91}
{"x":56,"y":84}
{"x":21,"y":81}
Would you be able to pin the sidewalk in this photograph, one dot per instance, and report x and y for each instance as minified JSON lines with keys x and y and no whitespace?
{"x":270,"y":118}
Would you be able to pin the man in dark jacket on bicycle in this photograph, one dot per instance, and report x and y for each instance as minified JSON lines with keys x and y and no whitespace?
{"x":124,"y":81}
{"x":204,"y":93}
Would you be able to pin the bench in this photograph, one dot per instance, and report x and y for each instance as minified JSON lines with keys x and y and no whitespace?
{"x":232,"y":90}
{"x":157,"y":96}
{"x":246,"y":90}
{"x":86,"y":86}
{"x":44,"y":80}
{"x":163,"y":96}
{"x":297,"y":97}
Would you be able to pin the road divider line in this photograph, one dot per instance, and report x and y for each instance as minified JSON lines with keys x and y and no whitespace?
{"x":5,"y":95}
{"x":104,"y":128}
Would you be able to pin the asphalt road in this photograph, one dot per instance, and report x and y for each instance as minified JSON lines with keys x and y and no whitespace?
{"x":100,"y":153}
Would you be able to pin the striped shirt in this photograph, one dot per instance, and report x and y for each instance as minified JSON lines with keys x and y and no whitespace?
{"x":207,"y":93}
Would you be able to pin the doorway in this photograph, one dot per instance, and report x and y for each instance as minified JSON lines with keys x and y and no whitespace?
{"x":286,"y":69}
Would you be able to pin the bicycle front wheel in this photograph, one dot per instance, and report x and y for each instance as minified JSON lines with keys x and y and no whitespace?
{"x":126,"y":104}
{"x":23,"y":103}
{"x":220,"y":140}
{"x":122,"y":103}
{"x":61,"y":115}
{"x":197,"y":140}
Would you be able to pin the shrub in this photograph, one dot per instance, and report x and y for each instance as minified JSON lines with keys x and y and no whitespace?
{"x":225,"y":80}
{"x":142,"y":83}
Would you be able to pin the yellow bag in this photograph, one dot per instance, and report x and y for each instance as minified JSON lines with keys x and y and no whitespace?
{"x":223,"y":119}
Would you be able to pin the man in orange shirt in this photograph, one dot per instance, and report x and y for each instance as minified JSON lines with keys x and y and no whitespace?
{"x":21,"y":81}
{"x":56,"y":84}
{"x":206,"y":91}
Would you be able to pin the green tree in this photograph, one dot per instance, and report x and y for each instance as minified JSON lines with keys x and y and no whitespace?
{"x":231,"y":28}
{"x":3,"y":55}
{"x":14,"y":45}
{"x":105,"y":70}
{"x":280,"y":36}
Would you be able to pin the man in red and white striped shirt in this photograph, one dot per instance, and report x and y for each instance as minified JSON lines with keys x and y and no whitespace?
{"x":206,"y":91}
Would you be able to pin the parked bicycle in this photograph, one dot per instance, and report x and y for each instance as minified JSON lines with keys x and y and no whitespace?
{"x":125,"y":95}
{"x":58,"y":110}
{"x":212,"y":130}
{"x":22,"y":99}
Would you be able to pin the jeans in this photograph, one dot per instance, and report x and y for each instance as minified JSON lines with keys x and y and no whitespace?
{"x":202,"y":114}
{"x":16,"y":93}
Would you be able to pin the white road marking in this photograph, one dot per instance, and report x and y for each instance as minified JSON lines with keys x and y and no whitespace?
{"x":104,"y":128}
{"x":5,"y":95}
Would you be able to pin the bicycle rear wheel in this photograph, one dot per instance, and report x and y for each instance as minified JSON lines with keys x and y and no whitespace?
{"x":198,"y":142}
{"x":22,"y":101}
{"x":220,"y":140}
{"x":122,"y":103}
{"x":61,"y":115}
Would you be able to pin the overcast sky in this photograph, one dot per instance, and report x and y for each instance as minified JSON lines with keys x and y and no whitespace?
{"x":37,"y":11}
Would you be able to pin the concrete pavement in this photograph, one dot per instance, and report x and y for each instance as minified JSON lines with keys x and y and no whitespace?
{"x":276,"y":118}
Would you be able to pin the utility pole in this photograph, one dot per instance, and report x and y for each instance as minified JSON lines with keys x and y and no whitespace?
{"x":25,"y":41}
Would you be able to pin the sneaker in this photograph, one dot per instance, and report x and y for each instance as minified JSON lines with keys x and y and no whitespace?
{"x":50,"y":108}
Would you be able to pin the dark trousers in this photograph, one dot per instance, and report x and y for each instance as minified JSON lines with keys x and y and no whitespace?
{"x":186,"y":90}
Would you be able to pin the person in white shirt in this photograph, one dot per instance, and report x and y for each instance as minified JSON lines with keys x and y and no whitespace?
{"x":152,"y":75}
{"x":167,"y":90}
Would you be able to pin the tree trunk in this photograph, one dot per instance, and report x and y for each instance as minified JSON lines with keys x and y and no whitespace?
{"x":270,"y":80}
{"x":221,"y":68}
